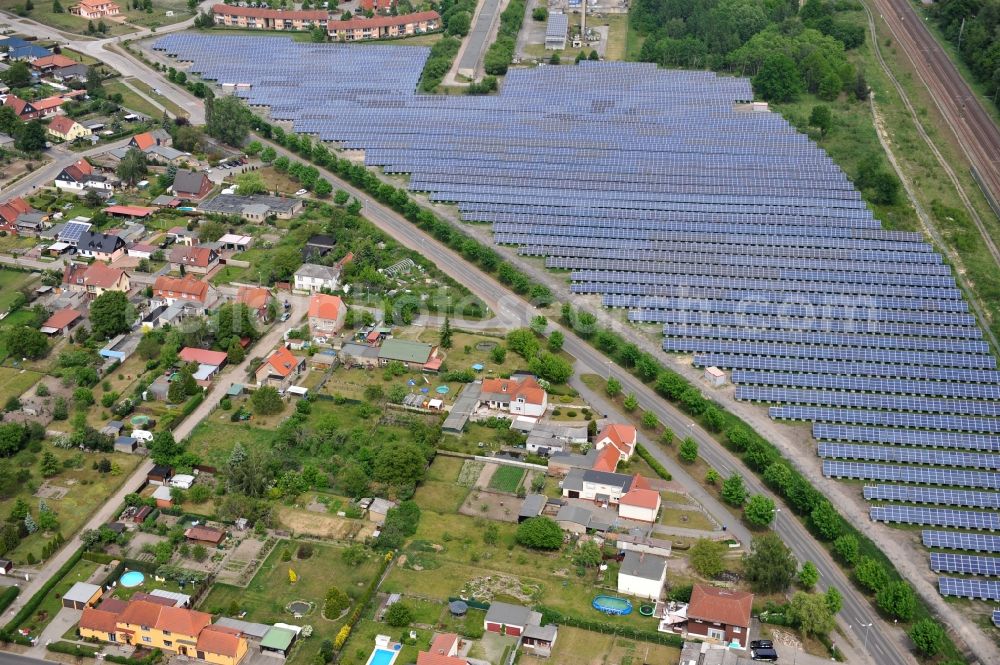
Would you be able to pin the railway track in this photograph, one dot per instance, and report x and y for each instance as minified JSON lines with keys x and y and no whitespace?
{"x":977,"y":134}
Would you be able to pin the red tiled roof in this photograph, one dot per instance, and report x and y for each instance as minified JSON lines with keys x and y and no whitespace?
{"x":11,"y":209}
{"x":254,"y":297}
{"x":283,"y":361}
{"x":188,"y":286}
{"x":140,"y":613}
{"x":183,"y":621}
{"x":259,"y":12}
{"x":99,"y":619}
{"x":79,"y":170}
{"x":15,"y":103}
{"x":443,"y":643}
{"x":710,"y":603}
{"x":607,"y":459}
{"x":432,"y":658}
{"x":61,"y":124}
{"x":618,"y":434}
{"x":189,"y":354}
{"x":48,"y":103}
{"x":54,"y":60}
{"x":382,"y":21}
{"x":527,"y":388}
{"x":143,"y":141}
{"x":641,"y":498}
{"x":156,"y":600}
{"x":324,"y":306}
{"x":62,"y":318}
{"x":199,"y":257}
{"x":219,"y":640}
{"x":131,"y":211}
{"x":102,"y":276}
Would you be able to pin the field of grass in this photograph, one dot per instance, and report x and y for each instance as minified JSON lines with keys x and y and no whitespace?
{"x":264,"y":600}
{"x":14,"y":382}
{"x":67,"y":22}
{"x":440,"y":492}
{"x":131,"y":100}
{"x":87,"y":490}
{"x":52,"y":603}
{"x":507,"y":478}
{"x":214,"y":437}
{"x":10,"y":282}
{"x":160,"y":99}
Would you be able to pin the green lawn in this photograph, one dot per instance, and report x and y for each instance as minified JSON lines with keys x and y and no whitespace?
{"x":507,"y":478}
{"x":52,"y":603}
{"x":14,"y":382}
{"x":11,"y":281}
{"x":270,"y":591}
{"x":214,"y":437}
{"x":131,"y":100}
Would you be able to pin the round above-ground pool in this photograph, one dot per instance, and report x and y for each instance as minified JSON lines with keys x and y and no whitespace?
{"x":612,"y":605}
{"x":647,"y":610}
{"x":131,"y":579}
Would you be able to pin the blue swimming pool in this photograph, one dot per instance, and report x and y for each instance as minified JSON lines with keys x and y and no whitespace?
{"x":131,"y":579}
{"x":612,"y":605}
{"x":382,"y":656}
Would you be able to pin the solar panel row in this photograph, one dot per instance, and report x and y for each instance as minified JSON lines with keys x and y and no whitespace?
{"x":963,"y":588}
{"x":932,"y":495}
{"x":952,"y":540}
{"x":944,"y":562}
{"x":964,"y":519}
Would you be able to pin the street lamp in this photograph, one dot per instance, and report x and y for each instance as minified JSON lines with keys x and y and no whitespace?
{"x":867,"y":627}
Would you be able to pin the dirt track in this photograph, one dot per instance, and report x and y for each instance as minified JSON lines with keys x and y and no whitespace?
{"x":974,"y":128}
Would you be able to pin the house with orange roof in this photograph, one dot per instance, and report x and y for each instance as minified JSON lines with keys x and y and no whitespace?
{"x":147,"y":140}
{"x":443,"y":651}
{"x":61,"y":322}
{"x":49,"y":62}
{"x":522,"y":397}
{"x":619,"y":436}
{"x":326,"y":314}
{"x":720,"y":615}
{"x":641,"y":502}
{"x":280,"y":369}
{"x":196,"y":258}
{"x":95,"y":279}
{"x":10,"y":211}
{"x":26,"y":110}
{"x":169,"y":290}
{"x":256,"y":299}
{"x":65,"y":128}
{"x":606,"y":460}
{"x":95,"y":9}
{"x":161,"y":626}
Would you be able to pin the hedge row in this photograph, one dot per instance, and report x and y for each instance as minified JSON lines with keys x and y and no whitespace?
{"x":660,"y":470}
{"x":36,"y":600}
{"x":153,"y":657}
{"x":76,"y":650}
{"x":98,"y":557}
{"x":362,"y":602}
{"x":550,"y":615}
{"x":7,"y":597}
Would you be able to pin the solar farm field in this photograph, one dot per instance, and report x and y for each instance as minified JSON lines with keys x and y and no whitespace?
{"x":670,"y":196}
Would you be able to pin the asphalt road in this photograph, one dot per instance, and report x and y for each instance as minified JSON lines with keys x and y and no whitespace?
{"x":476,"y":42}
{"x":15,"y":659}
{"x":886,"y":646}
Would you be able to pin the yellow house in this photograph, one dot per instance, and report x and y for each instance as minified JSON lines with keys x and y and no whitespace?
{"x":67,"y":129}
{"x":172,"y":629}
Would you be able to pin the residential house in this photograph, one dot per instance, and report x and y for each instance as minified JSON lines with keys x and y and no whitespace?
{"x":313,"y":278}
{"x":621,"y":437}
{"x":11,"y":211}
{"x":641,"y":502}
{"x":606,"y":460}
{"x":205,"y":535}
{"x":259,"y":18}
{"x":318,"y":246}
{"x":642,"y":575}
{"x":147,"y":140}
{"x":209,"y":363}
{"x":600,"y":487}
{"x":280,"y":369}
{"x":188,"y":288}
{"x":75,"y":72}
{"x":67,"y":129}
{"x":256,"y":299}
{"x":253,"y":208}
{"x":539,"y":640}
{"x":82,"y":595}
{"x":95,"y":9}
{"x":443,"y":651}
{"x":720,"y":615}
{"x":42,"y":108}
{"x":192,"y":185}
{"x":377,"y":6}
{"x":359,"y":355}
{"x":49,"y":63}
{"x":95,"y":279}
{"x":326,"y":314}
{"x":159,"y":625}
{"x":195,"y":259}
{"x":384,"y":27}
{"x":522,"y":397}
{"x":415,"y":355}
{"x":61,"y":322}
{"x":79,"y":177}
{"x":15,"y":48}
{"x":100,"y":246}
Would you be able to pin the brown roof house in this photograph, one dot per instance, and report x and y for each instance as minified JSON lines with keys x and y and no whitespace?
{"x":95,"y":279}
{"x":720,"y":615}
{"x":280,"y":369}
{"x":196,"y":259}
{"x":191,"y":185}
{"x":326,"y":314}
{"x":205,"y":535}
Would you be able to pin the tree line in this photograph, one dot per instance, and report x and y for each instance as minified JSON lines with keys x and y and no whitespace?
{"x":973,"y":27}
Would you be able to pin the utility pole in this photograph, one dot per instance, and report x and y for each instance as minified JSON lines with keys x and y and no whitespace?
{"x":960,"y":31}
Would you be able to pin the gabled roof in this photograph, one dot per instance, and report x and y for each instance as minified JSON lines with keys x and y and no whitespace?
{"x":219,"y":640}
{"x":79,"y":171}
{"x":11,"y":209}
{"x":189,"y":182}
{"x":254,"y":297}
{"x":95,"y":241}
{"x":607,"y":478}
{"x":607,"y":459}
{"x":99,"y":619}
{"x":283,"y":362}
{"x":205,"y":533}
{"x":641,"y":564}
{"x":710,"y":603}
{"x":188,"y":285}
{"x":102,"y":276}
{"x":131,"y":211}
{"x":199,"y":257}
{"x":190,"y":354}
{"x":506,"y":613}
{"x":382,"y":21}
{"x":641,"y":498}
{"x":54,"y":60}
{"x":435,"y":658}
{"x":527,"y":388}
{"x":316,"y":271}
{"x":619,"y":434}
{"x":322,"y":306}
{"x":260,"y":12}
{"x":143,"y":141}
{"x":62,"y":124}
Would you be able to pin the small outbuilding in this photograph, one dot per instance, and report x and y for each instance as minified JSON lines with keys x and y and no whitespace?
{"x":163,"y":497}
{"x":159,"y":474}
{"x":6,"y":566}
{"x":82,"y":595}
{"x":278,"y":640}
{"x":205,"y":535}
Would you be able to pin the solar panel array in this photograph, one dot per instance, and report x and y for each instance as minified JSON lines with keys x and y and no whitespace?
{"x":952,"y":540}
{"x":964,"y":519}
{"x":996,"y":618}
{"x":662,"y":193}
{"x":944,"y":562}
{"x":966,"y":588}
{"x":932,"y":495}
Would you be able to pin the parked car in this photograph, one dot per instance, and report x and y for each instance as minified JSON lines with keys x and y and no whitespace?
{"x":285,"y":316}
{"x":142,"y":435}
{"x":763,"y":650}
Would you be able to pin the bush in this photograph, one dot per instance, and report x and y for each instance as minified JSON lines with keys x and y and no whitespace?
{"x":399,"y":615}
{"x":539,"y":533}
{"x":540,"y":13}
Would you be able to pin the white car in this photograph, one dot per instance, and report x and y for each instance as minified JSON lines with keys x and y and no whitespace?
{"x":142,"y":435}
{"x":302,"y":192}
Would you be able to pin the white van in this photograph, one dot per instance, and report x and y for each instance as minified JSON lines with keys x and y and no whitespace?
{"x":142,"y":435}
